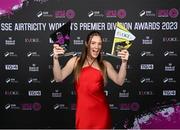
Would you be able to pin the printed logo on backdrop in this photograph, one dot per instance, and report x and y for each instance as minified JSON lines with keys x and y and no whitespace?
{"x":95,"y":13}
{"x":169,"y":67}
{"x":146,"y":54}
{"x":121,"y":13}
{"x":56,"y":94}
{"x":170,"y":53}
{"x":11,"y":107}
{"x":32,"y":54}
{"x":33,"y":68}
{"x":11,"y":80}
{"x":131,"y":106}
{"x":69,"y":14}
{"x":124,"y":93}
{"x":44,"y":14}
{"x":34,"y":93}
{"x":78,"y":41}
{"x":145,"y":93}
{"x":170,"y":39}
{"x":31,"y":106}
{"x":10,"y":41}
{"x":11,"y":93}
{"x":113,"y":106}
{"x":147,"y":13}
{"x":31,"y":40}
{"x":145,"y":80}
{"x":147,"y":40}
{"x":169,"y":80}
{"x":33,"y":80}
{"x":170,"y":13}
{"x":60,"y":107}
{"x":147,"y":66}
{"x":10,"y":54}
{"x":169,"y":92}
{"x":11,"y":67}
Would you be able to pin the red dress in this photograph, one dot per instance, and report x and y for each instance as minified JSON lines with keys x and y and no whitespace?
{"x":92,"y":110}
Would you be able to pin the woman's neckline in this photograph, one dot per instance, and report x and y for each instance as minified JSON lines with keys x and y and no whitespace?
{"x":91,"y":67}
{"x":90,"y":64}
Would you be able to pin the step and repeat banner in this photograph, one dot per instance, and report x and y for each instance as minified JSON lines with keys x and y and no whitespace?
{"x":29,"y":96}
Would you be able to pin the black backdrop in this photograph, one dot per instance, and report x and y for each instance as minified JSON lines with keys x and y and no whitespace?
{"x":29,"y":96}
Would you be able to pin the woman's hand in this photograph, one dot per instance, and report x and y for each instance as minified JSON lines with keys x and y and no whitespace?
{"x":57,"y":50}
{"x":124,"y":54}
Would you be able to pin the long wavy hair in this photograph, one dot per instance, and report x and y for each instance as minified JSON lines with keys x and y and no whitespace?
{"x":83,"y":57}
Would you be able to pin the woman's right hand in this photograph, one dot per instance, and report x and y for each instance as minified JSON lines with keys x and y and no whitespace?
{"x":58,"y":50}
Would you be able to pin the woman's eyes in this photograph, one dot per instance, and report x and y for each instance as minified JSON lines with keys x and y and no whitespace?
{"x":95,"y":43}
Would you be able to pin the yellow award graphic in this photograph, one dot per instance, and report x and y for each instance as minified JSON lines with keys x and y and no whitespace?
{"x":122,"y":39}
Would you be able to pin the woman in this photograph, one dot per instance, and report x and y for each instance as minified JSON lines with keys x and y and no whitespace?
{"x":90,"y":73}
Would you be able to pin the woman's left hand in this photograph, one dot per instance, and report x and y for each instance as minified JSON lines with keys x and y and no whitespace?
{"x":124,"y":54}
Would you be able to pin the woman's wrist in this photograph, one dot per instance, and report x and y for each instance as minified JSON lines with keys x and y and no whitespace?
{"x":55,"y":57}
{"x":124,"y":61}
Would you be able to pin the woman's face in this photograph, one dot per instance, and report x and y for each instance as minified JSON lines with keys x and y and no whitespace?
{"x":95,"y":46}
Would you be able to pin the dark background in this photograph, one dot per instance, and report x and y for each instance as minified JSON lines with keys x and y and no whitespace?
{"x":51,"y":113}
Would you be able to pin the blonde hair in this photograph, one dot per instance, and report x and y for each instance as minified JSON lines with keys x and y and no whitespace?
{"x":83,"y":56}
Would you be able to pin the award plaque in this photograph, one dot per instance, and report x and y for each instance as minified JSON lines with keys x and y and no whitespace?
{"x":62,"y":36}
{"x":122,"y":39}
